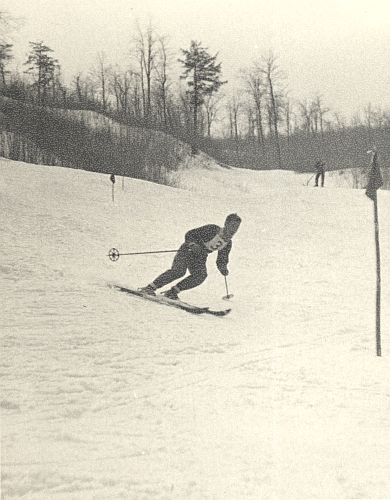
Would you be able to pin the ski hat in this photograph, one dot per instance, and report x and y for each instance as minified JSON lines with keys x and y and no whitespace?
{"x":233,"y":218}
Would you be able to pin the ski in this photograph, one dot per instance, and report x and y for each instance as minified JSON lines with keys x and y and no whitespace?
{"x":184,"y":306}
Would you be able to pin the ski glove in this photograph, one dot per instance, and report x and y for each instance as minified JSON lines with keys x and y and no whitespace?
{"x":223,"y":270}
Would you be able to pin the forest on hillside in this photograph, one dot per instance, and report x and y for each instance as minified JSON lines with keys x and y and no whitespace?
{"x":253,"y":125}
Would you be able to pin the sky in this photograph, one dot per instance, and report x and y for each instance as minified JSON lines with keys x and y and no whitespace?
{"x":338,"y":49}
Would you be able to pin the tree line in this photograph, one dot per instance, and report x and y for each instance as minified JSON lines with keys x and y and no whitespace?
{"x":256,"y":124}
{"x":141,"y":94}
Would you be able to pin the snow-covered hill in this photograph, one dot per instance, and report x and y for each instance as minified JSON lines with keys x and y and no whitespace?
{"x":106,"y":397}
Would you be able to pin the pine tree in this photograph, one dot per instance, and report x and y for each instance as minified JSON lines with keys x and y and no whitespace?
{"x":202,"y":74}
{"x":43,"y":66}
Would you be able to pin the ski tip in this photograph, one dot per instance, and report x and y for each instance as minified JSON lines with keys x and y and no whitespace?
{"x":224,"y":312}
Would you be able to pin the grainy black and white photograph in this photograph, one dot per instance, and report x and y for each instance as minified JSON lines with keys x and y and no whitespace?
{"x":195,"y":249}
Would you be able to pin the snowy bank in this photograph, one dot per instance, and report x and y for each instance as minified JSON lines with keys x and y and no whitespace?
{"x":109,"y":397}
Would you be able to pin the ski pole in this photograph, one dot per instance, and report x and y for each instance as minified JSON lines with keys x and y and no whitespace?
{"x":310,"y":178}
{"x":228,"y":295}
{"x":114,"y":254}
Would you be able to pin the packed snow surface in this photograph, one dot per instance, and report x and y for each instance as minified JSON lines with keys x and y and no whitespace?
{"x":106,"y":396}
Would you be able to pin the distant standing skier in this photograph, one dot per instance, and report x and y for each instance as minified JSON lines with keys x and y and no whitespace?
{"x":192,"y":256}
{"x":320,"y":173}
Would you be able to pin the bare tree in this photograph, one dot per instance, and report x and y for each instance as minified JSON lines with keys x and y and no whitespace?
{"x":356,"y":120}
{"x":273,"y":77}
{"x":77,"y":83}
{"x":120,"y":83}
{"x":161,"y":65}
{"x":234,"y":110}
{"x":211,"y":106}
{"x":318,"y":112}
{"x":178,"y":111}
{"x":85,"y":88}
{"x":146,"y":54}
{"x":386,"y":118}
{"x":288,"y":112}
{"x":251,"y":122}
{"x":101,"y":73}
{"x":268,"y":108}
{"x":58,"y":90}
{"x":368,"y":116}
{"x":305,"y":110}
{"x":378,"y":117}
{"x":185,"y":110}
{"x":116,"y":88}
{"x":340,"y":121}
{"x":254,"y":84}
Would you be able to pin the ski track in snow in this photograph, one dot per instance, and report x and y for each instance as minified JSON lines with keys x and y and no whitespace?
{"x":105,"y":396}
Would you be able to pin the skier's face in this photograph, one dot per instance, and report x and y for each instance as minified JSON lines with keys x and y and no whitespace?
{"x":230,"y":229}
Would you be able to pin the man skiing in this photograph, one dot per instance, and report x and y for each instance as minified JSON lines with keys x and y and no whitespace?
{"x":192,"y":255}
{"x":320,"y":173}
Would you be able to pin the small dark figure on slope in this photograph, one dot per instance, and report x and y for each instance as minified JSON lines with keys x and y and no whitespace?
{"x":320,"y":173}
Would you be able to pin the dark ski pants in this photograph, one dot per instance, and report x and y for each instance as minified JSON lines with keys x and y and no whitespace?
{"x":318,"y":176}
{"x":196,"y":265}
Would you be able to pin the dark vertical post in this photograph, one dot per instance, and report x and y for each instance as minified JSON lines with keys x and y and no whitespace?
{"x":112,"y":179}
{"x":375,"y":181}
{"x":378,"y":279}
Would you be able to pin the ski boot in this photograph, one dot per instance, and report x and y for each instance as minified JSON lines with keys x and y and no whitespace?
{"x":148,"y":290}
{"x":171,"y":294}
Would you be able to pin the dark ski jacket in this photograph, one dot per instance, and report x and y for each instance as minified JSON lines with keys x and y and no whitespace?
{"x":210,"y":238}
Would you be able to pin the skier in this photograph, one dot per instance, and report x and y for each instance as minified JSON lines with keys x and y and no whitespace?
{"x":320,"y":169}
{"x":192,"y":255}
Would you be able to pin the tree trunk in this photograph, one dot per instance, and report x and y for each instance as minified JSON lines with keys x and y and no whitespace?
{"x":275,"y":121}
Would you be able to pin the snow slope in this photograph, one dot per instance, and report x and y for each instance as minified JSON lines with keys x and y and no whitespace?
{"x":104,"y":396}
